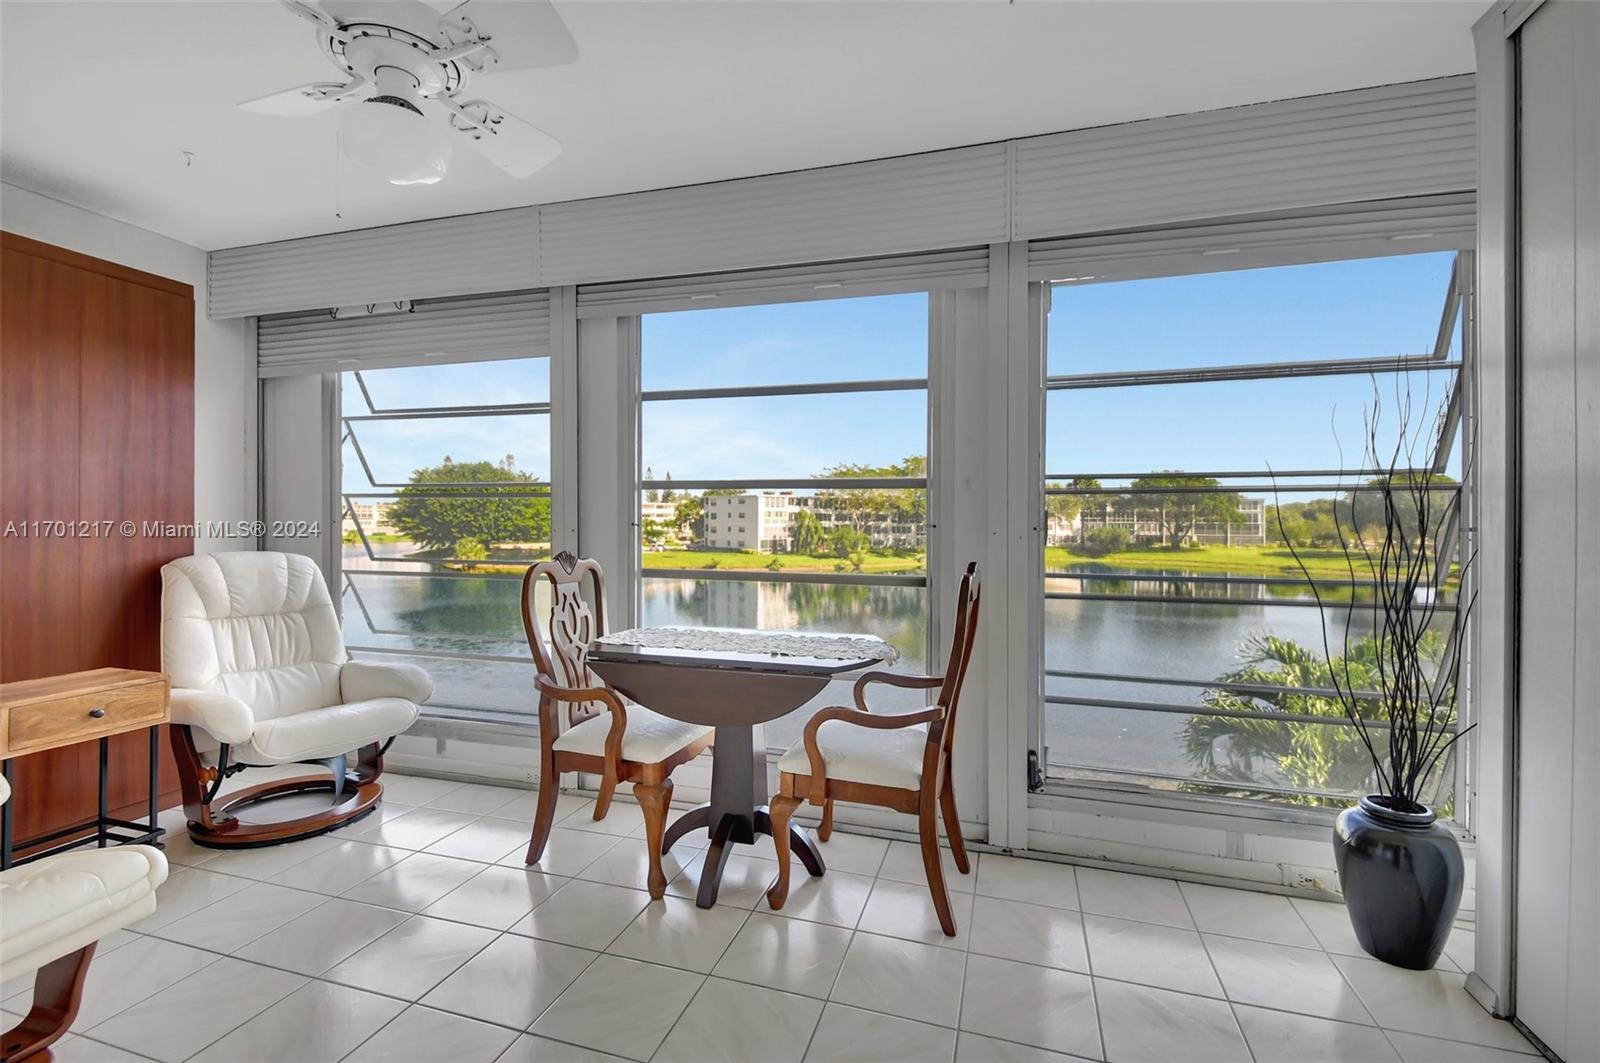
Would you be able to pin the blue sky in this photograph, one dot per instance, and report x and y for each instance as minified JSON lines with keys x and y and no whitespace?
{"x":1381,"y":307}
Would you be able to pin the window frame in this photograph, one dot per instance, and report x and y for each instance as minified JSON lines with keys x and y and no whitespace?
{"x":930,"y":484}
{"x":1054,"y":793}
{"x":558,"y":411}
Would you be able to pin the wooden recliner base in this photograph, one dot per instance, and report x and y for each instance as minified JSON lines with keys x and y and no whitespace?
{"x":214,"y":823}
{"x":57,"y":992}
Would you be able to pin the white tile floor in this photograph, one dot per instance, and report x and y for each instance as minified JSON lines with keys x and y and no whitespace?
{"x":419,"y":936}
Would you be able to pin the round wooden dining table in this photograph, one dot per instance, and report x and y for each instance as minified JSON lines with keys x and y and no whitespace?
{"x":732,"y":690}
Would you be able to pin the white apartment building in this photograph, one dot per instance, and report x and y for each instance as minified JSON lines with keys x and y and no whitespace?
{"x":372,"y":516}
{"x":664,"y":513}
{"x":752,"y":521}
{"x":1145,"y":525}
{"x":765,"y":521}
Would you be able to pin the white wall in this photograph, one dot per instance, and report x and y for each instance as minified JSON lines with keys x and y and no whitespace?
{"x":224,"y":351}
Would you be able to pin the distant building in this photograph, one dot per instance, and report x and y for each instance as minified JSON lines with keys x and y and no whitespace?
{"x":751,"y":521}
{"x":1145,"y":525}
{"x":765,"y":521}
{"x":664,"y":513}
{"x":372,"y":516}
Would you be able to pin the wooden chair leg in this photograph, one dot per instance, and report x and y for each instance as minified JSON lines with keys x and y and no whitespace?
{"x":57,"y":992}
{"x":952,"y":827}
{"x":928,"y":834}
{"x":654,"y":799}
{"x":825,"y":828}
{"x":608,"y":790}
{"x":545,"y":815}
{"x":780,"y":810}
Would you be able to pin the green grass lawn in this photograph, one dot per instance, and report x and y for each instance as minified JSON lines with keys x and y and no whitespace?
{"x":740,"y":560}
{"x":1231,"y":560}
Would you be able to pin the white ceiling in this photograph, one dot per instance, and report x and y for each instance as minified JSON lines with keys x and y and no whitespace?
{"x":100,"y":100}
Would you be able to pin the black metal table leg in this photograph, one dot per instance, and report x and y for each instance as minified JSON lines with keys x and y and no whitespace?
{"x":105,"y":770}
{"x":155,"y":782}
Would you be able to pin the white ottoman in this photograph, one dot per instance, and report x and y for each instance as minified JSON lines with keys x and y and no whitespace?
{"x":52,"y":912}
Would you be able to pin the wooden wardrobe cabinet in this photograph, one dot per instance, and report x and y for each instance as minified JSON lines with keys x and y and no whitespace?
{"x":96,"y":428}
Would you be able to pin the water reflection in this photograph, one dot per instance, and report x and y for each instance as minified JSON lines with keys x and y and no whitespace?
{"x":898,"y":615}
{"x":481,"y":614}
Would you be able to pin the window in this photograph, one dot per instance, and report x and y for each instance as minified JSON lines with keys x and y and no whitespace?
{"x":445,"y":500}
{"x":1191,"y":423}
{"x":785,"y":482}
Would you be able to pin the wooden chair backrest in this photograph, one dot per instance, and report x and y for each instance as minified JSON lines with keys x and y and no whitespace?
{"x":561,"y":649}
{"x":961,"y":641}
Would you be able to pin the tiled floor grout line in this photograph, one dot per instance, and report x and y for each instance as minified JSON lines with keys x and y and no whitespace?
{"x":1088,"y":960}
{"x":1217,"y":973}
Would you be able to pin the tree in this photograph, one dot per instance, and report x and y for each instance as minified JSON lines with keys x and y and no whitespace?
{"x":1065,"y":507}
{"x":470,"y":550}
{"x":1366,"y":508}
{"x":690,"y":513}
{"x":654,"y":494}
{"x":1240,"y":752}
{"x":861,"y":506}
{"x":1110,"y":539}
{"x":844,"y":541}
{"x":443,"y":505}
{"x":666,"y":492}
{"x":1179,"y":506}
{"x":652,"y":531}
{"x":808,"y":533}
{"x":1309,"y":523}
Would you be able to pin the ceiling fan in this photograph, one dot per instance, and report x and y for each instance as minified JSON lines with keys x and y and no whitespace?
{"x":406,"y":65}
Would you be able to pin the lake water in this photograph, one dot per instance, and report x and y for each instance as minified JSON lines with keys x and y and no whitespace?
{"x":480,"y":615}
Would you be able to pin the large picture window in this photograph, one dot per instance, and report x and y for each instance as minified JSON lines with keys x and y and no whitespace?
{"x":445,"y":500}
{"x":784,"y":479}
{"x":1193,"y":424}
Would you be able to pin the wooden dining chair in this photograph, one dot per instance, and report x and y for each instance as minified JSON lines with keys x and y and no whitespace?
{"x":611,"y":738}
{"x":899,"y":761}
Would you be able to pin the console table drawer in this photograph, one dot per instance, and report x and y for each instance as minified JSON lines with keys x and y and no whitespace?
{"x":79,"y":717}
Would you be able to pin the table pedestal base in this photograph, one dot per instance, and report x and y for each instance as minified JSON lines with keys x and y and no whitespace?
{"x":737,"y":811}
{"x":726,"y":835}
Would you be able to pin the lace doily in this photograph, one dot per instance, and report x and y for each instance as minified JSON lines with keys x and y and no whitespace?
{"x":774,"y":643}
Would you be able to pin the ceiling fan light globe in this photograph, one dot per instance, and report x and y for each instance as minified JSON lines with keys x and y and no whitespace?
{"x":395,"y":142}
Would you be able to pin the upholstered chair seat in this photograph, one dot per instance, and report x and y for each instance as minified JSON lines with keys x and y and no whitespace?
{"x":649,"y":736}
{"x":52,"y":911}
{"x":855,"y":754}
{"x":261,"y":677}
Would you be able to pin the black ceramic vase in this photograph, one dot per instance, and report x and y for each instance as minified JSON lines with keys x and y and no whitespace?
{"x":1401,"y":874}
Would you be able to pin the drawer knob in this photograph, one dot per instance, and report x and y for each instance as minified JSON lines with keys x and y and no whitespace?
{"x":97,"y":713}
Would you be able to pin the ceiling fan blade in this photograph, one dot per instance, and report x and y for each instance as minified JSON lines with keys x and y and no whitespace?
{"x":506,"y":140}
{"x":297,"y":102}
{"x":525,"y":34}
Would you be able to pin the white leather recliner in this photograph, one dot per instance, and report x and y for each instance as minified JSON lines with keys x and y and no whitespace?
{"x":260,"y":677}
{"x":52,"y":912}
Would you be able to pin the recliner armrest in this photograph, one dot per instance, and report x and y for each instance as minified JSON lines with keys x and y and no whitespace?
{"x":222,"y":716}
{"x":365,"y":680}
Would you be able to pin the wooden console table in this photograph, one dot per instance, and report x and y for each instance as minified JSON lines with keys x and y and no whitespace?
{"x":63,"y":710}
